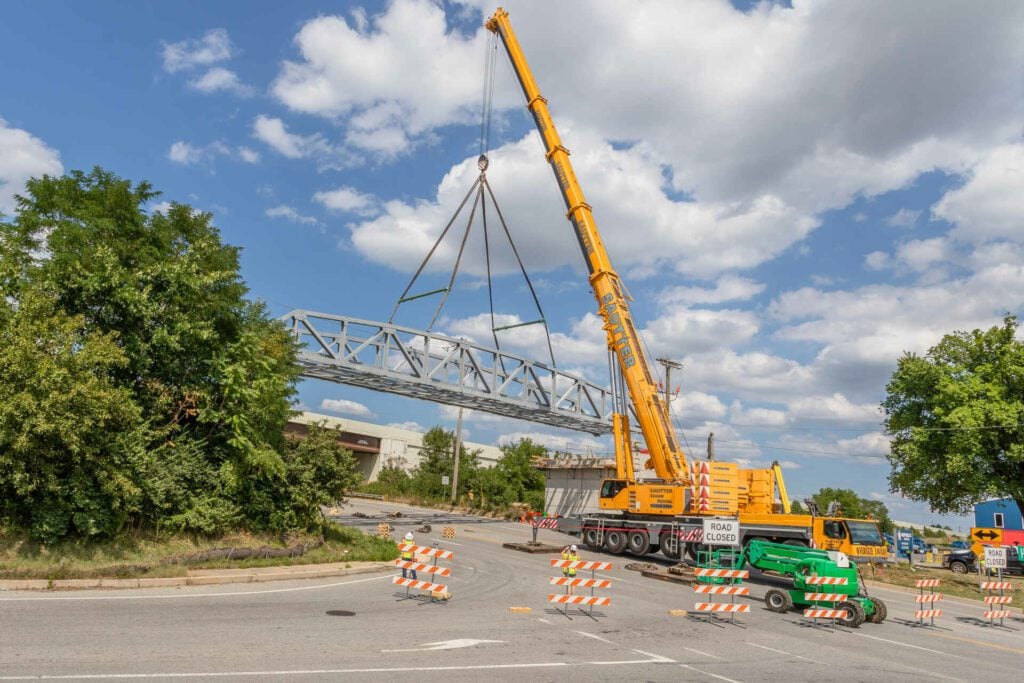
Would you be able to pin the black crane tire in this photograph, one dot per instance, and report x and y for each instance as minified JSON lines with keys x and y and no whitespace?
{"x":615,"y":541}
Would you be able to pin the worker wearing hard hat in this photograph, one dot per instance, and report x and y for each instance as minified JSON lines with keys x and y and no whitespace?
{"x":407,"y":554}
{"x":570,"y":553}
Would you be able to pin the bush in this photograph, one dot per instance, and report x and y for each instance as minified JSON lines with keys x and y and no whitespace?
{"x":139,"y":387}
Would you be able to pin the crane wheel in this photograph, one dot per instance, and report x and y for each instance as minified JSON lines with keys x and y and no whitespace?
{"x":855,"y":614}
{"x":614,"y":542}
{"x":592,"y":539}
{"x":778,"y":600}
{"x":693,"y":548}
{"x":638,"y":542}
{"x":880,"y":612}
{"x":671,"y":546}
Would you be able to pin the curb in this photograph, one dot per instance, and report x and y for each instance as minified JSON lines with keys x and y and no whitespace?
{"x":312,"y":571}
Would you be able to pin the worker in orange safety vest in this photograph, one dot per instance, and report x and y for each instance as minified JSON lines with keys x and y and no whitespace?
{"x":407,"y":554}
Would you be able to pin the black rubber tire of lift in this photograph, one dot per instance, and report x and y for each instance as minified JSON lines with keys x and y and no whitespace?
{"x":778,"y":600}
{"x":590,"y":538}
{"x":880,"y":612}
{"x":855,"y":614}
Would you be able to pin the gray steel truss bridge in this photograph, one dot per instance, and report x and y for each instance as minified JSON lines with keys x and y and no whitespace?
{"x":399,"y":360}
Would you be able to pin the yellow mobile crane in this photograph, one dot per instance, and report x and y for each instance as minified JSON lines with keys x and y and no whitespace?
{"x":667,"y":512}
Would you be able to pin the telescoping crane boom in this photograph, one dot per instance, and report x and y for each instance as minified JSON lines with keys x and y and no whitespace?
{"x":668,"y":460}
{"x":645,"y":515}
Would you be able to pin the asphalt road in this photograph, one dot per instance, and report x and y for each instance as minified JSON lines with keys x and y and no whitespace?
{"x":361,"y":628}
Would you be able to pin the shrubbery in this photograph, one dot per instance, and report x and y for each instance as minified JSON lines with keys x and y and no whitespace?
{"x":512,"y":480}
{"x":139,"y":387}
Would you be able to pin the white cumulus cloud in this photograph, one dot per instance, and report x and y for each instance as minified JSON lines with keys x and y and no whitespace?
{"x":220,"y":79}
{"x":215,"y":46}
{"x":394,"y":76}
{"x":343,"y":406}
{"x":22,"y":156}
{"x":347,"y":200}
{"x":290,"y":214}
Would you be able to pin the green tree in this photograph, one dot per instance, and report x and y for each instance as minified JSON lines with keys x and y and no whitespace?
{"x":854,"y":506}
{"x":956,"y":418}
{"x":797,"y":508}
{"x":514,"y":478}
{"x":436,"y":460}
{"x":70,"y":438}
{"x":142,"y":387}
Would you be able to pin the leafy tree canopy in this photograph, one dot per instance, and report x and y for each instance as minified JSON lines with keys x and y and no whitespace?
{"x":139,"y":387}
{"x":437,"y":460}
{"x":956,"y":418}
{"x":854,"y":506}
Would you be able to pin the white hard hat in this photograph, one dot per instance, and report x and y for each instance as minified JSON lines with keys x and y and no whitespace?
{"x":572,"y":548}
{"x":408,"y":536}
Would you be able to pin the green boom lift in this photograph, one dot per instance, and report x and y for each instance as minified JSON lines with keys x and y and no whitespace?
{"x":802,"y":563}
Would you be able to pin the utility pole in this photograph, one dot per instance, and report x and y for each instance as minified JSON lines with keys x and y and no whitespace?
{"x":669,"y":364}
{"x":458,"y":449}
{"x":711,"y":447}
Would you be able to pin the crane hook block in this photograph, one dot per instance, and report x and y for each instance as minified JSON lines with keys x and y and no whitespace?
{"x":482,"y":162}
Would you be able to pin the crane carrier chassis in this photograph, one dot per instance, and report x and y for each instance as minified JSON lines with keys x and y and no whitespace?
{"x":684,"y":536}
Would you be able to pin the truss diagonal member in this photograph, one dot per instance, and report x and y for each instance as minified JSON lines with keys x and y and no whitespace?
{"x":444,"y":361}
{"x":415,"y":364}
{"x":374,"y":340}
{"x":537,"y":387}
{"x":512,"y":377}
{"x":324,"y":346}
{"x":468,"y":355}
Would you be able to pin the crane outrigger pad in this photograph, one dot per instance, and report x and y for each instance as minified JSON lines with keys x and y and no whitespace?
{"x":433,"y":367}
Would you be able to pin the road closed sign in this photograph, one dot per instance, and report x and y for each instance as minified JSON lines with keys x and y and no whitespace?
{"x":995,"y":558}
{"x":722,"y":532}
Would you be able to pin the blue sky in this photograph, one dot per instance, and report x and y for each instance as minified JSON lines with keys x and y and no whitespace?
{"x":795,"y":195}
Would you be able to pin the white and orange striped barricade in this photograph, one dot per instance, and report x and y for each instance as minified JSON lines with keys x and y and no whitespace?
{"x":420,"y":552}
{"x":732,"y":608}
{"x":995,"y":599}
{"x":536,"y":522}
{"x":926,"y":602}
{"x":827,"y":581}
{"x":421,"y":585}
{"x":815,"y":613}
{"x":572,"y":582}
{"x":823,"y":602}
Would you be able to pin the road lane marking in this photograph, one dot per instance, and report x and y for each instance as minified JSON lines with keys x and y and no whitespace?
{"x":701,"y":652}
{"x":311,"y":672}
{"x":972,"y":641}
{"x":896,"y":642}
{"x":654,"y":658}
{"x":614,"y":578}
{"x":707,"y":673}
{"x":190,"y":595}
{"x":783,"y":652}
{"x":448,"y":542}
{"x":456,"y":644}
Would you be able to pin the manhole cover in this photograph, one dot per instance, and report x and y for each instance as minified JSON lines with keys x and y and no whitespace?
{"x":340,"y":613}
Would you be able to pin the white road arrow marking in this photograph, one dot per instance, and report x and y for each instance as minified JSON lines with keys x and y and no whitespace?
{"x":446,"y":645}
